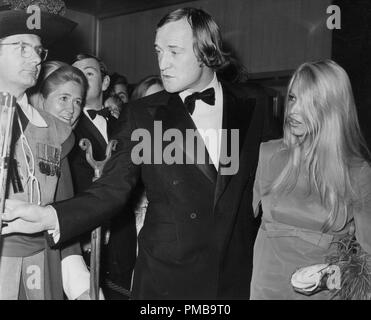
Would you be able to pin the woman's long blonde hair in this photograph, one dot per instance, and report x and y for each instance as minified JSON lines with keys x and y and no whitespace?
{"x":333,"y":140}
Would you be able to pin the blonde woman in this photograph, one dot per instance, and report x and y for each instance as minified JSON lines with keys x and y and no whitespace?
{"x":314,"y":184}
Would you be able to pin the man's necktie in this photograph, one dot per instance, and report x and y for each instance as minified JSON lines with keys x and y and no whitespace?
{"x":207,"y":96}
{"x":105,"y":113}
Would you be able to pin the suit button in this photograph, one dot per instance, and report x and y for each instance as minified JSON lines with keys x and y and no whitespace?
{"x":175,"y":182}
{"x":193,"y":215}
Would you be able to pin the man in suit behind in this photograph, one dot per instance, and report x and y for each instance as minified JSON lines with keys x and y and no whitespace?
{"x":92,"y":125}
{"x":95,"y":124}
{"x":197,"y":239}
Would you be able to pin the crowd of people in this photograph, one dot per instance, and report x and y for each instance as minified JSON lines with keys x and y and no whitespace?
{"x":274,"y":229}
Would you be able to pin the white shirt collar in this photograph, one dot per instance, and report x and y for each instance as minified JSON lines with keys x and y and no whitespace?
{"x":31,"y":113}
{"x":91,"y":108}
{"x":213,"y":84}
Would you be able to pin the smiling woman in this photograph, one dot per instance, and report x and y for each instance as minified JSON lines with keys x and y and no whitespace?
{"x":61,"y":91}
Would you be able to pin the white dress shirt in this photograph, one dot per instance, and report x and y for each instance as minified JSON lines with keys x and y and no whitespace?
{"x":208,"y":119}
{"x":99,"y":121}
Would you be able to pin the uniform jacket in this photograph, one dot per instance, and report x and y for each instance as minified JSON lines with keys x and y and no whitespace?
{"x":49,"y":148}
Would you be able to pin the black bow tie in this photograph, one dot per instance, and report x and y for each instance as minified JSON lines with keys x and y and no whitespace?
{"x":207,"y":96}
{"x":105,"y":113}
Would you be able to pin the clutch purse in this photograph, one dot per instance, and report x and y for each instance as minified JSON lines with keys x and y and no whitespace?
{"x":347,"y":273}
{"x":312,"y":279}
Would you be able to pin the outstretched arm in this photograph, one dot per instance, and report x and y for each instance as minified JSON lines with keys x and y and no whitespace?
{"x":23,"y":217}
{"x":88,"y":209}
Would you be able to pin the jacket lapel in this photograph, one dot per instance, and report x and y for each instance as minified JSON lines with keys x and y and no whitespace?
{"x":175,"y":116}
{"x":111,"y":126}
{"x":237,"y":114}
{"x":90,"y":127}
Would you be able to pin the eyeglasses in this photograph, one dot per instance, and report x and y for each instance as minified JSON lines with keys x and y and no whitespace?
{"x":28,"y":49}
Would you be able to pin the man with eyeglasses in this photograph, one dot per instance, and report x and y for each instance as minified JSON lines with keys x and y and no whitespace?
{"x":20,"y":63}
{"x":27,"y":49}
{"x":28,"y":268}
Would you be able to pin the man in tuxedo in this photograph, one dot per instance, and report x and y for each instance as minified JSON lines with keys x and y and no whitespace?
{"x":198,"y":236}
{"x":96,"y":124}
{"x":92,"y":125}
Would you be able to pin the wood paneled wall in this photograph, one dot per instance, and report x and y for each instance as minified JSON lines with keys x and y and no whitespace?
{"x":265,"y":35}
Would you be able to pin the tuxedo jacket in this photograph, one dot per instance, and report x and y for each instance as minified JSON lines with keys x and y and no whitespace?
{"x":198,"y":235}
{"x":118,"y":256}
{"x":82,"y":172}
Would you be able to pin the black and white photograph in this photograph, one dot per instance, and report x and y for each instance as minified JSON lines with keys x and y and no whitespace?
{"x":184,"y":155}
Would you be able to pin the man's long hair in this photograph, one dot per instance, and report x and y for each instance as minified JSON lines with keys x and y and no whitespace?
{"x":333,"y":140}
{"x":207,"y":41}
